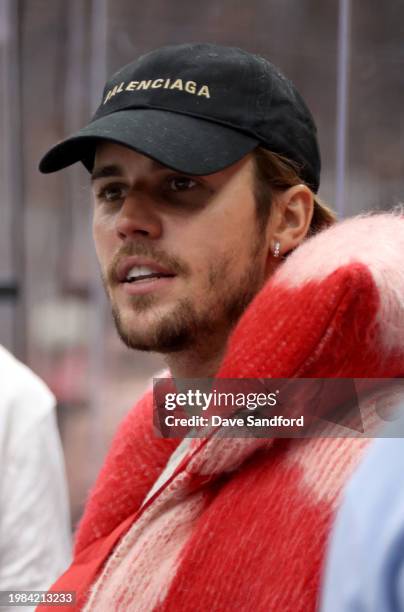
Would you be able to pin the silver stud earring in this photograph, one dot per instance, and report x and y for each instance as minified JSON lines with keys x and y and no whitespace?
{"x":277,"y":249}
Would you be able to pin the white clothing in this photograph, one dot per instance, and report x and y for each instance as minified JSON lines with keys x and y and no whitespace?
{"x":35,"y":539}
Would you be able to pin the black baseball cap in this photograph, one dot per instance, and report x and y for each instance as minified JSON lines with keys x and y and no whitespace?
{"x":198,"y":108}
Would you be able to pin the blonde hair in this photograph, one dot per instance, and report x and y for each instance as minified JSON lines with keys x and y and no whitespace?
{"x":274,"y":173}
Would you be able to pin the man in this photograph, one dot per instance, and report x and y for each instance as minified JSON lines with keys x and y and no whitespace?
{"x":205,"y":166}
{"x":34,"y":500}
{"x":185,"y":305}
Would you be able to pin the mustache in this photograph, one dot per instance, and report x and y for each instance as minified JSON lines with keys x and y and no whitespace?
{"x":148,"y":251}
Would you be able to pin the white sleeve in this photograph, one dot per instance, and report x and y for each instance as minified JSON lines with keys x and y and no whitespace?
{"x":35,"y":540}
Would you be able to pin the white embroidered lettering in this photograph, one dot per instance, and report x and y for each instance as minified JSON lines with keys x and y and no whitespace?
{"x":144,"y":84}
{"x":204,"y":91}
{"x":177,"y":84}
{"x":190,"y":87}
{"x":132,"y":85}
{"x":107,"y":97}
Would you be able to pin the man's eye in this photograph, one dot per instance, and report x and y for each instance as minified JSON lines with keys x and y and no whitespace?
{"x":181,"y":183}
{"x":111,"y":193}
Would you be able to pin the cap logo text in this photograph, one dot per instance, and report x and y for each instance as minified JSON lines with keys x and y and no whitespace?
{"x":190,"y":87}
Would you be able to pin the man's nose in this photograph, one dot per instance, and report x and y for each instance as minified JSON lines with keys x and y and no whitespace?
{"x":137,"y":216}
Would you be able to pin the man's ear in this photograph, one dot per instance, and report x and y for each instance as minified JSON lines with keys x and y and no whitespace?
{"x":291,"y":217}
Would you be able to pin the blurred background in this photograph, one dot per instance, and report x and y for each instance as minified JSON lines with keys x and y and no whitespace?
{"x":347,"y":60}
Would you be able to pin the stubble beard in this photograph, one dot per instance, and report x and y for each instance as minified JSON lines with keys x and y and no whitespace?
{"x":186,"y":327}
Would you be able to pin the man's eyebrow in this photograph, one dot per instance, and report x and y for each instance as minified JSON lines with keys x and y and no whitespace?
{"x":106,"y":171}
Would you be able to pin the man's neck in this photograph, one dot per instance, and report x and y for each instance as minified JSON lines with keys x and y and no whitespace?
{"x":194,"y":364}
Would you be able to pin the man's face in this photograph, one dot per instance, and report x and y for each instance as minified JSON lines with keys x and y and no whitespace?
{"x":181,"y":256}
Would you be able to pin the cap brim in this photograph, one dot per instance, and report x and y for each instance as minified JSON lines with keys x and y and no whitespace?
{"x":181,"y":142}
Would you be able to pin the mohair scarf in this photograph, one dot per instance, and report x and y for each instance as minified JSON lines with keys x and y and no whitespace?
{"x":242,"y":524}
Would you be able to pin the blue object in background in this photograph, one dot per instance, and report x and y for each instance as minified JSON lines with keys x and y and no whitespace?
{"x":365,"y":565}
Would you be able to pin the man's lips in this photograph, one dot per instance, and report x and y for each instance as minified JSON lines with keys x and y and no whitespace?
{"x":147,"y":285}
{"x":126,"y":264}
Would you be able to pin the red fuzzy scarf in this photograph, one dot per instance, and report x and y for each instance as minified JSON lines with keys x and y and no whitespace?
{"x":242,"y":524}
